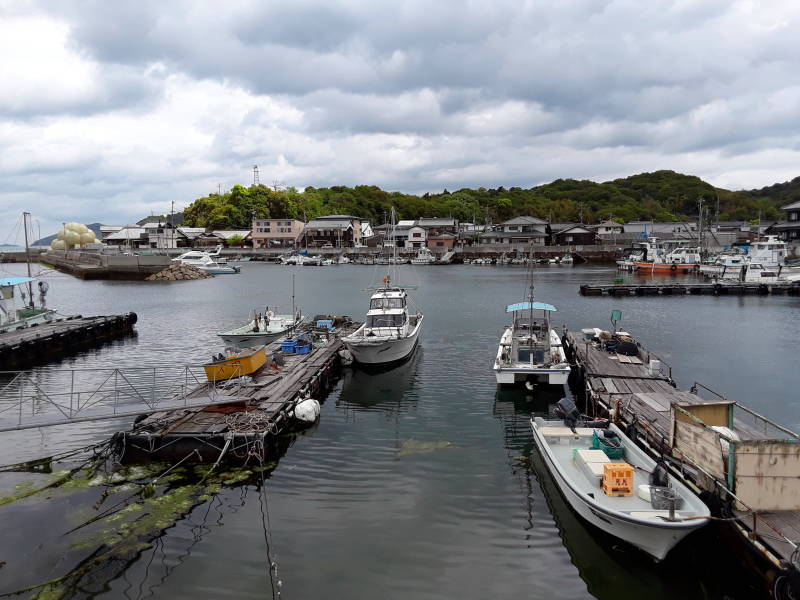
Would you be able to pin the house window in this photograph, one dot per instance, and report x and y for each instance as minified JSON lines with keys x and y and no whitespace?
{"x":568,"y":239}
{"x":416,"y":235}
{"x":266,"y":230}
{"x":440,"y":243}
{"x":793,"y":216}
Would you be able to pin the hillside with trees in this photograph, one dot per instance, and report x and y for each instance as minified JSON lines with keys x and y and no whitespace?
{"x":661,"y":196}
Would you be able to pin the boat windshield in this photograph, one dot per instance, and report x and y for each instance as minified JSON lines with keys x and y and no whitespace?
{"x":386,"y":303}
{"x":374,"y":321}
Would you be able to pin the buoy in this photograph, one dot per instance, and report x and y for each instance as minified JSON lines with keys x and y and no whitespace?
{"x":529,"y":385}
{"x":346,"y":356}
{"x":307,"y":410}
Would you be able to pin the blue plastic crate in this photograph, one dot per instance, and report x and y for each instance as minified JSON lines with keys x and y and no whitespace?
{"x":289,"y":346}
{"x":327,"y":323}
{"x":302,"y":349}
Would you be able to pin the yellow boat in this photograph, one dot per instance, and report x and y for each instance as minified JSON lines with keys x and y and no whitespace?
{"x":246,"y":362}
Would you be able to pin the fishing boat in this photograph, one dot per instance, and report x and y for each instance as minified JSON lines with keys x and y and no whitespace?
{"x":655,"y":258}
{"x":607,"y":479}
{"x":238,"y":364}
{"x":530,"y":349}
{"x":13,"y":318}
{"x":390,"y":332}
{"x":423,"y":257}
{"x":262,"y":329}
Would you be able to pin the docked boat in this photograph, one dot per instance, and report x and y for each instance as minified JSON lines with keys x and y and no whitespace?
{"x":210,"y":262}
{"x":242,"y":363}
{"x":390,"y":332}
{"x":655,"y":258}
{"x":530,"y":349}
{"x":608,"y":480}
{"x":262,"y":329}
{"x":423,"y":257}
{"x":13,"y":318}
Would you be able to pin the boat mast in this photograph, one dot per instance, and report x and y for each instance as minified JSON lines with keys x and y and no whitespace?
{"x":25,"y":218}
{"x":293,"y":313}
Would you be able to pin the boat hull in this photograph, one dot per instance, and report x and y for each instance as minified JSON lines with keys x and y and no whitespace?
{"x":367,"y":352}
{"x":664,"y":267}
{"x":510,"y":376}
{"x":250,"y":339}
{"x":653,"y":539}
{"x":237,"y":365}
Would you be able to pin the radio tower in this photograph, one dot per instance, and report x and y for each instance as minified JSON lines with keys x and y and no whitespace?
{"x":255,"y":175}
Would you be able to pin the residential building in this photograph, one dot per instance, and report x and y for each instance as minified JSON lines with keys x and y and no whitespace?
{"x":661,"y":230}
{"x":338,"y":231}
{"x":438,"y":225}
{"x":789,"y":230}
{"x":519,"y":230}
{"x":276,"y":233}
{"x":572,"y":234}
{"x":441,"y":242}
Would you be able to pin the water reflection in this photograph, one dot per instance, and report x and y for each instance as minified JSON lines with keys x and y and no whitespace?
{"x":380,"y":389}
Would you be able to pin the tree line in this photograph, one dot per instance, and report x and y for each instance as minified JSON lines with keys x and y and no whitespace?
{"x":659,"y":196}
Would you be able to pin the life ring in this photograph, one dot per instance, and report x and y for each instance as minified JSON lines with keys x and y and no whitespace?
{"x":673,"y":267}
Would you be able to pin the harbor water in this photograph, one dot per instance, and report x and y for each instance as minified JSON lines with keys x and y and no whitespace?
{"x":419,"y":482}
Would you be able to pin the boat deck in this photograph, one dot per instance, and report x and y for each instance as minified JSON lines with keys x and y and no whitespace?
{"x":260,"y":409}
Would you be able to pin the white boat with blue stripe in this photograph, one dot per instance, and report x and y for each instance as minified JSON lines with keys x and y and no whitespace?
{"x":530,"y":349}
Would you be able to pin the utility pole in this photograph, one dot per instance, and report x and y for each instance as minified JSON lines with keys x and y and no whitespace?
{"x":255,"y":176}
{"x":172,"y":224}
{"x":700,"y":221}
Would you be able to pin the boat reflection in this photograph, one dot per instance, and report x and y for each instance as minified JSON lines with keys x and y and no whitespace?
{"x":383,"y":389}
{"x":697,"y":568}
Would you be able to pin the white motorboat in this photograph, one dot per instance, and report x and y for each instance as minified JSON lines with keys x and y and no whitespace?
{"x":651,"y":518}
{"x":567,"y":259}
{"x":210,"y":262}
{"x":262,"y":329}
{"x":423,"y":257}
{"x":391,"y":331}
{"x":530,"y":349}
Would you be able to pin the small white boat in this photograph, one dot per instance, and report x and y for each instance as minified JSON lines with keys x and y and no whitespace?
{"x":262,"y":329}
{"x":326,"y":262}
{"x":423,"y":257}
{"x":567,"y":259}
{"x":653,"y":519}
{"x":390,"y":332}
{"x":210,"y":262}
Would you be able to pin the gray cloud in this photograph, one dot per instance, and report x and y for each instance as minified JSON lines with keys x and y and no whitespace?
{"x":163,"y":101}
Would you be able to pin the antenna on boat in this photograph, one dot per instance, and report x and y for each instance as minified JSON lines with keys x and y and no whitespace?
{"x":25,"y":219}
{"x":293,"y":309}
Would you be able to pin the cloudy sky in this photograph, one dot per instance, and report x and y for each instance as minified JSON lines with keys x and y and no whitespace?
{"x":110,"y":111}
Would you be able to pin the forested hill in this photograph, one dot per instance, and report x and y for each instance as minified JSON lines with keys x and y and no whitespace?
{"x":662,"y":196}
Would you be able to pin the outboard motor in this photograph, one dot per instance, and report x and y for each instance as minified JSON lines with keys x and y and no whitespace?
{"x":660,"y":475}
{"x":566,"y":410}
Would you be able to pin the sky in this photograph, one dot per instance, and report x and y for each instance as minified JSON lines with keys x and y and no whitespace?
{"x":112,"y":111}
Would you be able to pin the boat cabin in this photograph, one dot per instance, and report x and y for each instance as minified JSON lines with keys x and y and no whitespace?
{"x":387,"y":308}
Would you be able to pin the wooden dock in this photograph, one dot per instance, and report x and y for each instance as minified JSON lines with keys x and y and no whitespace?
{"x":50,"y":341}
{"x":642,"y":399}
{"x":692,"y":289}
{"x":250,"y":425}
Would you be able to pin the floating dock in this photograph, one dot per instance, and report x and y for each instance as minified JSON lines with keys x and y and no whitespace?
{"x":49,"y":341}
{"x":251,"y":423}
{"x":747,"y":470}
{"x":692,"y":289}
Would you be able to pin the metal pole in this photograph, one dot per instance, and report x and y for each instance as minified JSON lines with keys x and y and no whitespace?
{"x":25,"y":218}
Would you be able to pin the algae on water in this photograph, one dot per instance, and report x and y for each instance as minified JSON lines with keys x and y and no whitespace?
{"x":417,"y":447}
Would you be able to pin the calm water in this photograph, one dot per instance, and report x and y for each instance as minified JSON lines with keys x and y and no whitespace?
{"x":422,"y":482}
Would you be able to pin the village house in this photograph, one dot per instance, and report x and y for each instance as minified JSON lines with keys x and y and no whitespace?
{"x":519,"y":230}
{"x":789,"y":230}
{"x":572,"y":234}
{"x":276,"y":233}
{"x":333,"y":231}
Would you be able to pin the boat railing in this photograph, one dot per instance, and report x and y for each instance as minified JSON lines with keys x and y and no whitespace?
{"x":31,"y":399}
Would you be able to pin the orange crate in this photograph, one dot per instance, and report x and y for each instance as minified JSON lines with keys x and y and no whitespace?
{"x":618,"y":479}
